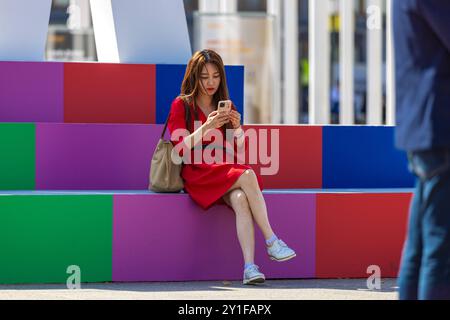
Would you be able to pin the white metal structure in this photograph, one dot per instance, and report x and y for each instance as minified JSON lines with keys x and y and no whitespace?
{"x":274,"y":7}
{"x":217,"y":6}
{"x":290,"y":63}
{"x":141,"y":31}
{"x":374,"y":62}
{"x":347,"y":62}
{"x":390,"y":67}
{"x":319,"y":62}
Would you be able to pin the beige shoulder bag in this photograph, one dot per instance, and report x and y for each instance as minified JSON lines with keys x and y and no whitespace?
{"x":165,"y":175}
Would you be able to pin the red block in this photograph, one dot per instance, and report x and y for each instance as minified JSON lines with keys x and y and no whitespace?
{"x":300,"y":156}
{"x":109,"y":93}
{"x":354,"y":231}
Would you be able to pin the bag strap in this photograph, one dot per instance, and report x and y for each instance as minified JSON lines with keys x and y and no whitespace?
{"x":188,"y":116}
{"x":187,"y":119}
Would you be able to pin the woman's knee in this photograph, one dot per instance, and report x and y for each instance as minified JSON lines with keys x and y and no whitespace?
{"x":248,"y":177}
{"x":238,"y":199}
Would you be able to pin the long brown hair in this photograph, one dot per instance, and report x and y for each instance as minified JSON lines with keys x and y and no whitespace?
{"x":190,"y":87}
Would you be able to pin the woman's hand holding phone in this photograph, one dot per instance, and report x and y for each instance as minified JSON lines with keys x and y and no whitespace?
{"x":235,"y":118}
{"x":216,"y":120}
{"x":223,"y":115}
{"x":224,"y":106}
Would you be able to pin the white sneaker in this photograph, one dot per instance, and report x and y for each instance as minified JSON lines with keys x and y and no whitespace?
{"x":279,"y":251}
{"x":253,"y":276}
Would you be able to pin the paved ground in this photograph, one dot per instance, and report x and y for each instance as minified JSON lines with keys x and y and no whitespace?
{"x":342,"y":289}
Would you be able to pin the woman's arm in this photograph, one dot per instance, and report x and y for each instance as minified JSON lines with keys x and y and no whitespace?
{"x":215,"y":120}
{"x":239,"y":134}
{"x":235,"y":118}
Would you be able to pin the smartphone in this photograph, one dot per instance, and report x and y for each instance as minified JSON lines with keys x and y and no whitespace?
{"x":224,"y":106}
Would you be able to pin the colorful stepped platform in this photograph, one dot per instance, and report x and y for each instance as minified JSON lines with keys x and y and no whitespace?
{"x":63,"y":156}
{"x":68,"y":130}
{"x":111,"y":93}
{"x":143,"y":236}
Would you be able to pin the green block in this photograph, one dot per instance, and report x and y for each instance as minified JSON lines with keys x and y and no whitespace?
{"x":17,"y":156}
{"x":42,"y":235}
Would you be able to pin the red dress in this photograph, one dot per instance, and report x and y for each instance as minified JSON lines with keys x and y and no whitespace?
{"x":205,"y":183}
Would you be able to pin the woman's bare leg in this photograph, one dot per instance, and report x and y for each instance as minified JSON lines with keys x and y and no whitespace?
{"x":248,"y":183}
{"x":244,"y":223}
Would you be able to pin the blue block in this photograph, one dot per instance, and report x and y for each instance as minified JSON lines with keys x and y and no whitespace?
{"x":168,"y":86}
{"x":363,"y":157}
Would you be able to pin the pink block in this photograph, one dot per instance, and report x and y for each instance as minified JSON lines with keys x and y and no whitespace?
{"x":94,"y":156}
{"x":31,"y":91}
{"x":167,"y":237}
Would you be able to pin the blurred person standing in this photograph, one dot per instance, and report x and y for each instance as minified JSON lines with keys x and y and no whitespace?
{"x":422,"y":54}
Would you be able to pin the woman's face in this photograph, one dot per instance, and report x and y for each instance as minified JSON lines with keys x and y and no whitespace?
{"x":209,"y":79}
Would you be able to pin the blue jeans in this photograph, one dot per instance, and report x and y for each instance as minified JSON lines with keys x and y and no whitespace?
{"x":425,"y":266}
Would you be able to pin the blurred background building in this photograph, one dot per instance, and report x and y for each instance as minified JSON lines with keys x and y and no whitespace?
{"x":70,"y":33}
{"x":304,"y":59}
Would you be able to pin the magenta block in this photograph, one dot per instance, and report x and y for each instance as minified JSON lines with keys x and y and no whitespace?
{"x":31,"y":92}
{"x":167,"y":237}
{"x":94,"y":156}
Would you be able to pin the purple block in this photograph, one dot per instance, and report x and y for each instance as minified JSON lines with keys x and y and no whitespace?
{"x":167,"y":237}
{"x":31,"y":92}
{"x":94,"y":156}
